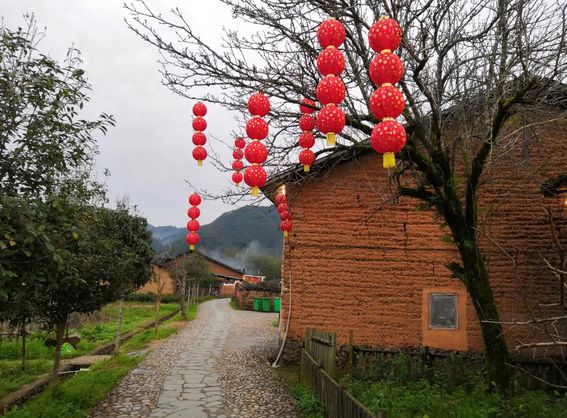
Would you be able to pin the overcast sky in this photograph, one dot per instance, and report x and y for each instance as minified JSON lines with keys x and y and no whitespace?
{"x":149,"y":151}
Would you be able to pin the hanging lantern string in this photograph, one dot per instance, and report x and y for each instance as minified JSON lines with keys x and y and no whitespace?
{"x":387,"y":102}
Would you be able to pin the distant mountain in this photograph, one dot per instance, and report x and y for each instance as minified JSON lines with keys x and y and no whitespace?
{"x":238,"y":238}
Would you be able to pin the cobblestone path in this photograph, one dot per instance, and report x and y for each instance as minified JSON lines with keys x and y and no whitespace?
{"x":214,"y":368}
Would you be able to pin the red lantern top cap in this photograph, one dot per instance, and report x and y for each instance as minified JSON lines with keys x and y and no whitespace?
{"x":385,"y":34}
{"x":259,"y":104}
{"x":331,"y":33}
{"x":307,"y":106}
{"x":195,"y":199}
{"x":199,"y":109}
{"x":281,"y":198}
{"x":239,"y":143}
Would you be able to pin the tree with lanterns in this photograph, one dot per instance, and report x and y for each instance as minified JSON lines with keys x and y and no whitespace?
{"x":472,"y":64}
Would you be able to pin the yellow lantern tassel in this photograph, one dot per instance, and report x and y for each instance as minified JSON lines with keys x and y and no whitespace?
{"x":331,"y":138}
{"x":200,"y":163}
{"x":255,"y":191}
{"x":285,"y":234}
{"x":306,"y":168}
{"x":389,"y":160}
{"x":237,"y":185}
{"x":191,"y":247}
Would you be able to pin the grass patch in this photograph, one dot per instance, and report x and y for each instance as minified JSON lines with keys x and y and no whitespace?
{"x":39,"y":357}
{"x":76,"y":396}
{"x":422,"y":398}
{"x":307,"y":402}
{"x":12,"y":377}
{"x":92,"y":335}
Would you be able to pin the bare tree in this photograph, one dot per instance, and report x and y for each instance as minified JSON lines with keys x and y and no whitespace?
{"x":469,"y":63}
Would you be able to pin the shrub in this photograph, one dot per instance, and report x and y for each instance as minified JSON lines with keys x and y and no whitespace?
{"x":267,"y":286}
{"x":309,"y":405}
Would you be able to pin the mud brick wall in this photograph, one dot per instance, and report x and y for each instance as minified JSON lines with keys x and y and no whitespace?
{"x":359,"y":259}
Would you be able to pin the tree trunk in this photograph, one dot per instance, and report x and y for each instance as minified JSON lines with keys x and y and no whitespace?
{"x":182,"y":302}
{"x":158,"y":307}
{"x":23,"y":347}
{"x":119,"y":326}
{"x":59,"y":332}
{"x":474,"y":275}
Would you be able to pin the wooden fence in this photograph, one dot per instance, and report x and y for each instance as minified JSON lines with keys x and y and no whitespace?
{"x":318,"y":368}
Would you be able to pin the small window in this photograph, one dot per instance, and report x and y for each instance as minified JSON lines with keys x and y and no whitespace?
{"x":443,"y":310}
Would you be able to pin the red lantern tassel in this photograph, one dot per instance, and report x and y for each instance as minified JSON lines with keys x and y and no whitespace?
{"x":331,"y":138}
{"x":389,"y":160}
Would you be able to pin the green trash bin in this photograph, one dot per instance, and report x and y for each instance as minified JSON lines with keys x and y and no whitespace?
{"x":277,"y":304}
{"x":266,"y":304}
{"x":256,"y":304}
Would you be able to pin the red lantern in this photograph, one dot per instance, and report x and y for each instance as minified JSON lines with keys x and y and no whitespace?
{"x":283,"y":207}
{"x":239,"y":143}
{"x":195,"y":199}
{"x":257,"y":128}
{"x":388,"y":137}
{"x":385,"y":34}
{"x":192,"y":239}
{"x":237,"y":154}
{"x":331,"y":61}
{"x":331,"y":33}
{"x":193,"y":212}
{"x":281,"y":198}
{"x":199,"y":109}
{"x":306,"y":140}
{"x":331,"y":121}
{"x":285,"y":215}
{"x":387,"y":102}
{"x":237,"y":178}
{"x":193,"y":225}
{"x":256,"y":152}
{"x":306,"y":122}
{"x":199,"y":153}
{"x":237,"y":165}
{"x":255,"y":177}
{"x":199,"y":124}
{"x":306,"y":157}
{"x":386,"y":67}
{"x":258,"y":105}
{"x":307,"y":106}
{"x":199,"y":138}
{"x":286,"y":226}
{"x":331,"y":90}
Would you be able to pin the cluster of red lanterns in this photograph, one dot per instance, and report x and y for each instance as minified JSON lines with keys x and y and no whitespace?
{"x":256,"y":152}
{"x":387,"y":102}
{"x":331,"y":90}
{"x":237,"y":164}
{"x":192,"y":237}
{"x":285,"y":214}
{"x":199,"y":137}
{"x":306,"y":138}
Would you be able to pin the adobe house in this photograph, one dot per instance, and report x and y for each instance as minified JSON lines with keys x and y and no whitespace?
{"x":224,"y":273}
{"x":359,"y":259}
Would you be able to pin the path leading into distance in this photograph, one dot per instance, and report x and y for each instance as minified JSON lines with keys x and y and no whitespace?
{"x":216,"y":367}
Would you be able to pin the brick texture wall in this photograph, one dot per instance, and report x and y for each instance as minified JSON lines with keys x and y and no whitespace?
{"x":359,"y":260}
